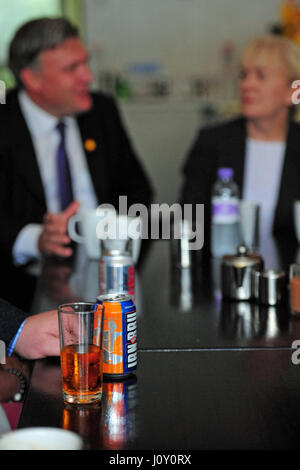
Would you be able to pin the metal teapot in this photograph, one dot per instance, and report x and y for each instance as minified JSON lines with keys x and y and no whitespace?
{"x":237,"y":274}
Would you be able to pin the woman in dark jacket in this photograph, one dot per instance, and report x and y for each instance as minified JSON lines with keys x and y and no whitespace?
{"x":262,"y":146}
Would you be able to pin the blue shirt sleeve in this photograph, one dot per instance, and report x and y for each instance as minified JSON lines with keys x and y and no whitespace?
{"x":12,"y":344}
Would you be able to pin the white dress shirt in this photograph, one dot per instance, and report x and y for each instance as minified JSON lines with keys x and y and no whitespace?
{"x":262,"y":177}
{"x":45,"y":137}
{"x":263,"y":169}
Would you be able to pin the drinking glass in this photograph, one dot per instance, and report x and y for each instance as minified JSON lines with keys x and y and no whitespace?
{"x":249,"y":224}
{"x":81,"y":346}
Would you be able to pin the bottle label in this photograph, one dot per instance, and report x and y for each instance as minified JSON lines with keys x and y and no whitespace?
{"x":225,"y":211}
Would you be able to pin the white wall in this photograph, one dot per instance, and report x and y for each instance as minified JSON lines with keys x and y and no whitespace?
{"x":183,"y":35}
{"x":162,"y":134}
{"x":13,"y":13}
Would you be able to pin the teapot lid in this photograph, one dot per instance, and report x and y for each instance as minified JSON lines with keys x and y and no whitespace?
{"x":242,"y":258}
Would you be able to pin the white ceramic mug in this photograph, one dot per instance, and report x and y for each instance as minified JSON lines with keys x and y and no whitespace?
{"x":115,"y":231}
{"x":88,"y":220}
{"x":94,"y":227}
{"x":41,"y":438}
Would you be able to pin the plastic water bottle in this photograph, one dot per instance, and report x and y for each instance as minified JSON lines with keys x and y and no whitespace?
{"x":225,"y":230}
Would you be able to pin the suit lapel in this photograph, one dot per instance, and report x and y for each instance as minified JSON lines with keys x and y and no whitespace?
{"x":94,"y":148}
{"x":26,"y":162}
{"x":232,"y":151}
{"x":289,"y":185}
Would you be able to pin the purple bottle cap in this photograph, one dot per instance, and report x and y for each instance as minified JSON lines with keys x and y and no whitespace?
{"x":225,"y":173}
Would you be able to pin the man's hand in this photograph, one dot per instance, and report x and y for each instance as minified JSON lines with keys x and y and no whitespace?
{"x":39,"y":336}
{"x":54,"y":237}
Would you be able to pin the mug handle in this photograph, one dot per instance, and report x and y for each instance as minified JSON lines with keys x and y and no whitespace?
{"x":72,"y":230}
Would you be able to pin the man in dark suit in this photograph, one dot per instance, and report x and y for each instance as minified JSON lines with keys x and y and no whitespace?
{"x":53,"y":115}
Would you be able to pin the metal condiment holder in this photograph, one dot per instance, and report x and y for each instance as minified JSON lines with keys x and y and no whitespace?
{"x":270,"y":287}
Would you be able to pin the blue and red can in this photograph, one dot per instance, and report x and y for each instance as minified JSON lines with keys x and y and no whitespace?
{"x":119,"y":335}
{"x":117,"y":274}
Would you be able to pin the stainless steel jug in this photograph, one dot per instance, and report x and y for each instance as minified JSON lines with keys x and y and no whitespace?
{"x":237,"y":274}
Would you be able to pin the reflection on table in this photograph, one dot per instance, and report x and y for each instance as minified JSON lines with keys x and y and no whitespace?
{"x":176,"y":307}
{"x":110,"y":425}
{"x":250,"y":321}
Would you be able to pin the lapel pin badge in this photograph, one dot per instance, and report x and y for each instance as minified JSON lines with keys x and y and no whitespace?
{"x":90,"y":145}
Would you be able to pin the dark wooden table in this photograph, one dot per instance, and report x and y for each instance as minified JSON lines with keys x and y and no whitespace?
{"x":211,"y":374}
{"x":183,"y":400}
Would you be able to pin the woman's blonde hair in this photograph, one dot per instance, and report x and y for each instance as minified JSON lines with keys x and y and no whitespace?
{"x":276,"y":48}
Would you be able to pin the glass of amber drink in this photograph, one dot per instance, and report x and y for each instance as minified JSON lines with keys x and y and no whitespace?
{"x":81,"y":351}
{"x":295,"y":289}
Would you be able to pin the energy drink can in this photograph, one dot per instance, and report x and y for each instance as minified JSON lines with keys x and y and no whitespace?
{"x":119,"y":335}
{"x":117,"y":274}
